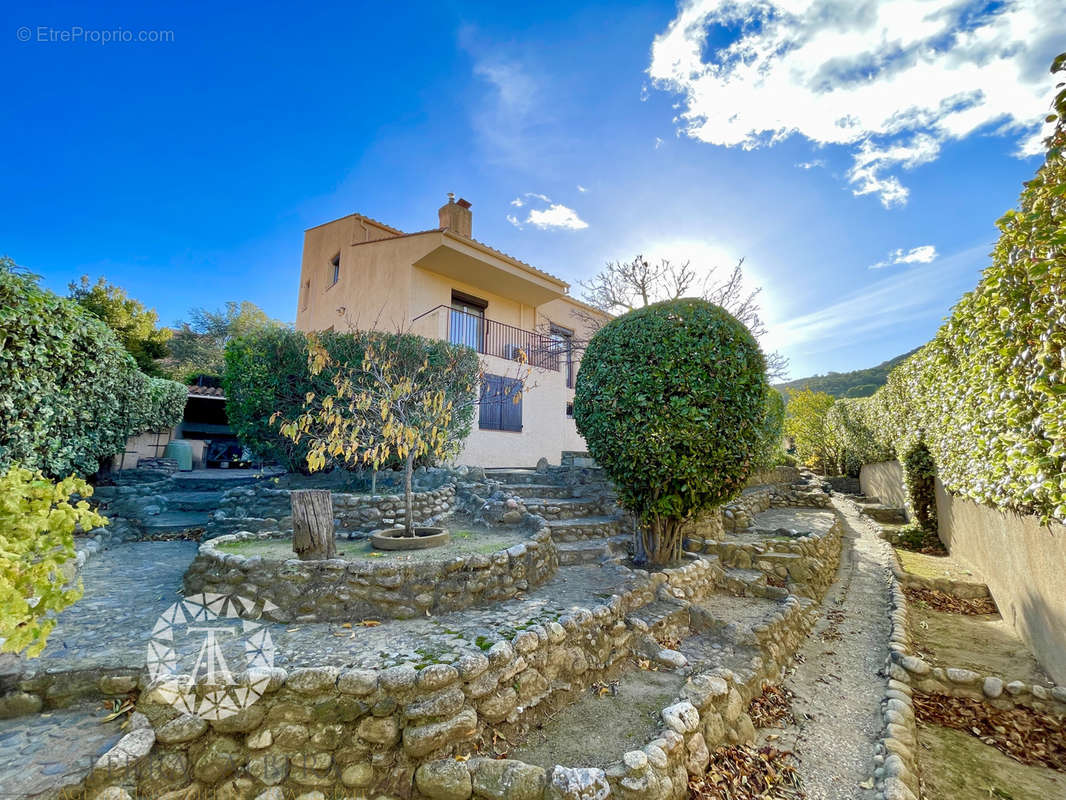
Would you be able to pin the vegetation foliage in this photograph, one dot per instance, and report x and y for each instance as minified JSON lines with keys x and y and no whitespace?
{"x":37,"y":523}
{"x":988,"y":394}
{"x":136,"y":327}
{"x":408,"y":397}
{"x":671,"y":399}
{"x":807,"y":422}
{"x":198,"y":346}
{"x":857,"y":383}
{"x":70,"y":393}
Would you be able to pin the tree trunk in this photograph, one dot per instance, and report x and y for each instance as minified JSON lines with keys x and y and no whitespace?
{"x":408,"y":499}
{"x":662,"y":541}
{"x":312,"y":524}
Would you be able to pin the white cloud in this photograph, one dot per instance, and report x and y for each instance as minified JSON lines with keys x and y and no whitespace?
{"x":658,"y":142}
{"x":916,"y":255}
{"x":581,"y":188}
{"x":892,"y":80}
{"x":817,"y":162}
{"x":556,"y":216}
{"x":879,"y":309}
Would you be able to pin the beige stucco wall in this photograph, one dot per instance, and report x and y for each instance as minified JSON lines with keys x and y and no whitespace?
{"x":1024,"y":564}
{"x":145,"y":445}
{"x":429,"y":290}
{"x":546,"y":430}
{"x":884,"y":480}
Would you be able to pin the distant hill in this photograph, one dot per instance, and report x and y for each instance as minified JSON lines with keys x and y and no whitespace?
{"x":858,"y":383}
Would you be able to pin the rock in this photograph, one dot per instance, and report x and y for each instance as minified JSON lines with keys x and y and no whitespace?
{"x":269,"y":768}
{"x":181,"y":729}
{"x":259,"y":740}
{"x":745,"y":729}
{"x":445,"y":779}
{"x":290,"y":736}
{"x":681,"y":717}
{"x":701,"y":690}
{"x":244,"y":721}
{"x":218,"y":760}
{"x":437,"y":676}
{"x":733,"y":708}
{"x":357,"y":775}
{"x":424,"y":739}
{"x":698,"y":756}
{"x":359,"y":682}
{"x":114,"y":793}
{"x":444,"y":703}
{"x":992,"y":687}
{"x":962,"y":676}
{"x":130,"y":750}
{"x":398,"y":679}
{"x":915,"y":665}
{"x":671,"y":658}
{"x":16,"y":704}
{"x":273,"y":793}
{"x":117,"y":684}
{"x":379,"y":730}
{"x":505,"y":779}
{"x":313,"y":680}
{"x":579,"y":784}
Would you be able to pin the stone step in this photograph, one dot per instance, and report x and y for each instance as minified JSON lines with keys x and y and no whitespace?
{"x":174,"y":522}
{"x":589,"y":551}
{"x":552,"y":508}
{"x":660,"y":614}
{"x":577,"y":529}
{"x":882,"y":513}
{"x":744,"y":582}
{"x":542,"y":490}
{"x":193,"y":501}
{"x":516,"y":477}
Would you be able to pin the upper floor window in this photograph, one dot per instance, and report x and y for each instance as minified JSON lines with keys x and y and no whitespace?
{"x":335,"y":269}
{"x":466,"y":324}
{"x":562,"y":345}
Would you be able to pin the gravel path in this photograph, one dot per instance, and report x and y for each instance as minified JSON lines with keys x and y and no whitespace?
{"x":838,"y":681}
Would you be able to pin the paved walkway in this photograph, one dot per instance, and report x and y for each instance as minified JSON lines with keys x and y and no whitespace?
{"x":838,"y":682}
{"x":42,"y":753}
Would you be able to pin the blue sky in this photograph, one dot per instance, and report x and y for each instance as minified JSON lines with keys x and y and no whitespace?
{"x":856,"y":155}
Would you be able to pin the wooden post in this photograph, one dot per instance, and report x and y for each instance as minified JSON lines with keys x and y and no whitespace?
{"x":312,"y":524}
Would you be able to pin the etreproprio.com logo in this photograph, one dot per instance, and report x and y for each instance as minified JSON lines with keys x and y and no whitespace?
{"x":211,"y":655}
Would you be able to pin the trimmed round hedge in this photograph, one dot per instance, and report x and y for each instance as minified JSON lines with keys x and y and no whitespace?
{"x":671,"y":401}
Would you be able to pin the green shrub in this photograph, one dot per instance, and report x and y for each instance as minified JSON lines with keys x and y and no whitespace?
{"x":267,"y":372}
{"x":807,"y":422}
{"x":70,"y":394}
{"x":988,"y":393}
{"x":671,"y":400}
{"x":770,"y":451}
{"x":37,"y":524}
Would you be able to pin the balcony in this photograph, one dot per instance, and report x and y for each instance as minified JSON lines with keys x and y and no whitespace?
{"x":492,"y":338}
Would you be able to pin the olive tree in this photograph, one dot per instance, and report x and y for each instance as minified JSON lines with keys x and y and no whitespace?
{"x":671,"y":401}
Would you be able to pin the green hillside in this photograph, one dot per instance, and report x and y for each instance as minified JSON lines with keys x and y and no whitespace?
{"x":857,"y":383}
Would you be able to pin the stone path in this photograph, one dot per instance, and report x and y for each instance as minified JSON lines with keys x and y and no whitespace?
{"x":838,"y":681}
{"x":40,"y":754}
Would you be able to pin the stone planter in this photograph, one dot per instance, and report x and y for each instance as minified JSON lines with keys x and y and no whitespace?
{"x":394,"y":539}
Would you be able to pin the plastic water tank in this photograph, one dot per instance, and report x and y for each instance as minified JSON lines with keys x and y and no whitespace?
{"x":180,"y":451}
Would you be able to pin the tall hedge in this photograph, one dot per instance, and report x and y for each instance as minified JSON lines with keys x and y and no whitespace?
{"x":769,"y":451}
{"x":70,"y":394}
{"x":266,"y":372}
{"x":988,"y":393}
{"x":671,"y":400}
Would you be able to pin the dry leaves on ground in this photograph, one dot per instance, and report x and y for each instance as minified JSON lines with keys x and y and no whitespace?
{"x":772,"y":708}
{"x":1023,"y":734}
{"x":942,"y":601}
{"x":747,"y":773}
{"x":832,"y":633}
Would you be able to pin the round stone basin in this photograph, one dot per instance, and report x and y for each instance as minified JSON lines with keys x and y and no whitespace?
{"x":395,"y":539}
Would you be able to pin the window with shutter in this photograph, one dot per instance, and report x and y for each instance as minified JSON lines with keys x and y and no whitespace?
{"x":501,"y":404}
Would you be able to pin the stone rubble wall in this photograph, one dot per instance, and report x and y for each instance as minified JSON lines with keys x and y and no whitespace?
{"x":395,"y":732}
{"x":340,"y":590}
{"x":267,"y":509}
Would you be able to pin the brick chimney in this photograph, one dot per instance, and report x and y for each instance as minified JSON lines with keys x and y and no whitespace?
{"x":455,"y":216}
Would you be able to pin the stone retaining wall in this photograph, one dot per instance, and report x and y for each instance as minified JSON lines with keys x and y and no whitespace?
{"x":265,"y":508}
{"x":340,"y":590}
{"x":396,"y":732}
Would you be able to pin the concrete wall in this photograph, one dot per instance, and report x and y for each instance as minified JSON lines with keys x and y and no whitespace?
{"x":145,"y":445}
{"x":546,"y":430}
{"x":884,"y":480}
{"x":1024,"y":564}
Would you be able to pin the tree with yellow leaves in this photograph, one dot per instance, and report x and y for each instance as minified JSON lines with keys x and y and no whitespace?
{"x":408,"y":398}
{"x":37,"y":524}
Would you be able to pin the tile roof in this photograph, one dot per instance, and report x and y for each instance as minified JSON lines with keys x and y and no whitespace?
{"x":206,"y":391}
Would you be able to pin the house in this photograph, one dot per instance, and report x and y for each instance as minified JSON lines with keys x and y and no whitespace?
{"x":444,"y":284}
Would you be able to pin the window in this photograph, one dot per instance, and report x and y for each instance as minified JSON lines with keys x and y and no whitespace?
{"x":335,"y":265}
{"x":306,"y":294}
{"x":467,"y":321}
{"x":570,"y":410}
{"x":501,"y":404}
{"x":562,"y":345}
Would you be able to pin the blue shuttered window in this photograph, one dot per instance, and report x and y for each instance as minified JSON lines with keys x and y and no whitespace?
{"x":501,"y":404}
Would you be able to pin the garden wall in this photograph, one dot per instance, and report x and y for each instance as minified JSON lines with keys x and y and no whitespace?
{"x":884,"y":480}
{"x":1024,"y":565}
{"x":339,"y":590}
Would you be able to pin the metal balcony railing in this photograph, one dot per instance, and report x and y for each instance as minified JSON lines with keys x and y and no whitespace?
{"x":492,"y":338}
